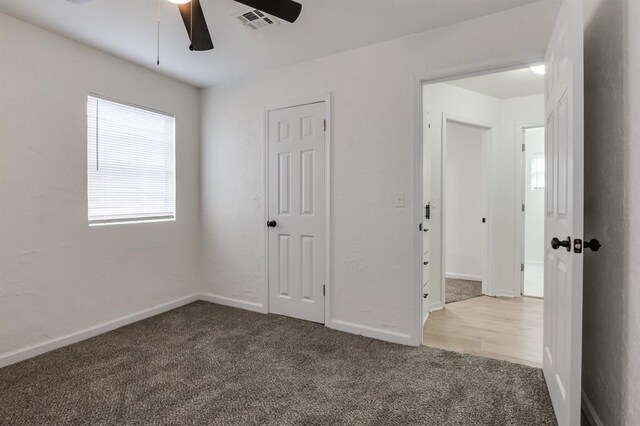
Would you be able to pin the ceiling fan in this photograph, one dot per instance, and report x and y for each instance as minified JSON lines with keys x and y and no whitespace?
{"x":196,"y":24}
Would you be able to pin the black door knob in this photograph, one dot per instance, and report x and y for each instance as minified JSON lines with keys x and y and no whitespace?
{"x":556,"y":243}
{"x":272,"y":224}
{"x":593,"y":244}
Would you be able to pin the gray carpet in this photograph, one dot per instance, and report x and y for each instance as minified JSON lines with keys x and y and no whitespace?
{"x":459,"y":290}
{"x":209,"y":364}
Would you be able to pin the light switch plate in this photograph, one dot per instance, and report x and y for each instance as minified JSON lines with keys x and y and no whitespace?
{"x":399,"y":199}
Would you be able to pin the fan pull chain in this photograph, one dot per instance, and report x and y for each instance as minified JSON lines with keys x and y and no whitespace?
{"x":158,"y":36}
{"x":97,"y":136}
{"x":191,"y":24}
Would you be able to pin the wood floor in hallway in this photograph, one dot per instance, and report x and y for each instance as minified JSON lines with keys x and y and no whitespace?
{"x":495,"y":327}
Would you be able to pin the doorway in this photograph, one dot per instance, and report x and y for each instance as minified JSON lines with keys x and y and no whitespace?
{"x":474,"y":300}
{"x":296,"y":192}
{"x":465,"y":253}
{"x":561,"y":309}
{"x":532,"y":195}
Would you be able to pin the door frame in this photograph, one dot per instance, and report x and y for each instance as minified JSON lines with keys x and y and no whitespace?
{"x":488,"y":143}
{"x":326,"y":98}
{"x":505,"y":63}
{"x":518,"y":258}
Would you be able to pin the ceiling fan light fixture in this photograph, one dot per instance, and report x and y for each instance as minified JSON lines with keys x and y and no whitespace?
{"x":180,"y":1}
{"x":538,"y":69}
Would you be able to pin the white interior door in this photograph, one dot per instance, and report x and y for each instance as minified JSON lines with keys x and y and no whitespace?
{"x":564,"y":212}
{"x":296,"y":206}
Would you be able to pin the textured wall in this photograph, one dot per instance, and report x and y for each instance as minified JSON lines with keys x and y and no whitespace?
{"x":372,"y":152}
{"x":611,"y":325}
{"x":58,"y":275}
{"x":631,"y":336}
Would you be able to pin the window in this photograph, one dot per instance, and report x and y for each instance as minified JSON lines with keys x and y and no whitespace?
{"x":537,"y":171}
{"x":130,"y":163}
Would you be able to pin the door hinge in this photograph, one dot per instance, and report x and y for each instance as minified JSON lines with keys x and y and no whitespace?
{"x":522,"y":206}
{"x":522,"y":147}
{"x":522,"y":267}
{"x":429,"y":125}
{"x":324,"y":290}
{"x":325,"y":125}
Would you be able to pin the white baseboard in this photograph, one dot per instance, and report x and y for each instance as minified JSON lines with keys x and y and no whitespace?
{"x":78,"y":336}
{"x":436,"y":306}
{"x":234,"y":303}
{"x":505,"y":293}
{"x":374,"y":333}
{"x":589,"y":411}
{"x":455,"y":276}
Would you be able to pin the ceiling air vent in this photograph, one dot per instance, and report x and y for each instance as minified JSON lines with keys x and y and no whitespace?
{"x":256,"y":20}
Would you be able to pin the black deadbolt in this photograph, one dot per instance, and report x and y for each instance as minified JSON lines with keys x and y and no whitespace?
{"x":272,"y":224}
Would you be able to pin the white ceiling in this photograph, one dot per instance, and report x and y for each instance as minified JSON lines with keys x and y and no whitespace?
{"x":127,"y":28}
{"x":504,"y":85}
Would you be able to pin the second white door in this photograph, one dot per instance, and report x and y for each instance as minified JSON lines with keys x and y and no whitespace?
{"x":296,"y":207}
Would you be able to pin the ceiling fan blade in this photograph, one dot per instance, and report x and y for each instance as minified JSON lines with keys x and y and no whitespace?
{"x":201,"y":38}
{"x":288,"y":10}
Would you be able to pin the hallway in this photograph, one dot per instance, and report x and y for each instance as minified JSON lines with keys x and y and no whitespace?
{"x":494,"y":327}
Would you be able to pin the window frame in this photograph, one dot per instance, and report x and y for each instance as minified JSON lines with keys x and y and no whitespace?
{"x":133,"y":220}
{"x":536,"y":174}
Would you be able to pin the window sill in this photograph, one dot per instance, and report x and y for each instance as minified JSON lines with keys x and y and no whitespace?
{"x":130,"y":221}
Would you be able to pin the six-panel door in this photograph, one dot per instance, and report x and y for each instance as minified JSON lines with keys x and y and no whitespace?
{"x":296,"y":202}
{"x":564,"y":213}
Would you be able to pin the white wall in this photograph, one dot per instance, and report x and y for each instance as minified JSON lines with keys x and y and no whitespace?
{"x":631,"y":404}
{"x":513,"y":112}
{"x":465,"y":201}
{"x":371,"y":284}
{"x":58,"y":275}
{"x":611,"y":309}
{"x":534,"y":201}
{"x":631,"y":389}
{"x":503,"y":115}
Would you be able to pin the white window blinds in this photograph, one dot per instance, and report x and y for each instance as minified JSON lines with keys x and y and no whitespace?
{"x":130,"y":163}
